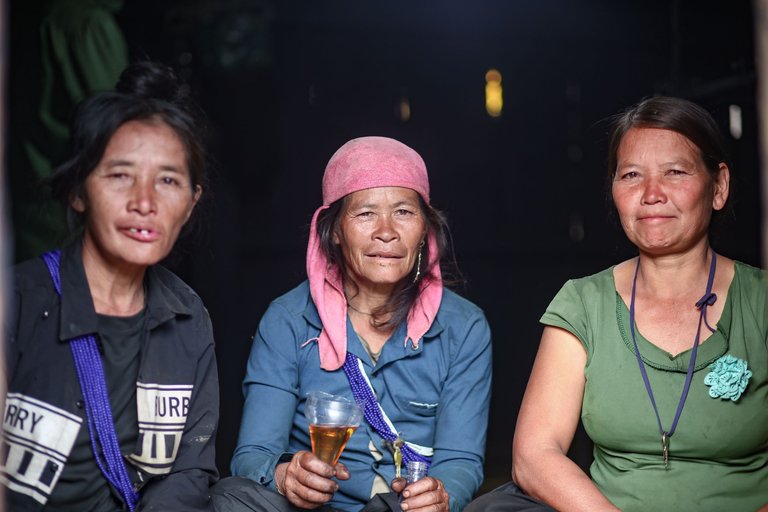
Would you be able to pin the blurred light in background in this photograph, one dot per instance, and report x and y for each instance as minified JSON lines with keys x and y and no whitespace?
{"x":734,"y":121}
{"x":494,"y":100}
{"x":404,"y":109}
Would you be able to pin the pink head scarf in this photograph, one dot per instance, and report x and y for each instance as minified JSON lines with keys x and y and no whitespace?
{"x":367,"y":162}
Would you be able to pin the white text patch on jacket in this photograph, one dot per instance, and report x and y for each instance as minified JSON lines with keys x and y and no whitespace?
{"x":37,"y":439}
{"x":162,"y":413}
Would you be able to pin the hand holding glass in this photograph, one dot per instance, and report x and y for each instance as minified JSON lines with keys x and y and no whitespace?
{"x":332,"y":421}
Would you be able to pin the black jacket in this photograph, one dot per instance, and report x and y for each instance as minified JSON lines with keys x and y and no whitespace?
{"x":177,"y":388}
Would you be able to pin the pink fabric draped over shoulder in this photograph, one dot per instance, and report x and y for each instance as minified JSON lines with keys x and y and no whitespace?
{"x":363,"y":163}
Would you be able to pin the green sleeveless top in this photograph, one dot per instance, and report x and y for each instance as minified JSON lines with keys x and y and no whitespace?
{"x":719,"y":452}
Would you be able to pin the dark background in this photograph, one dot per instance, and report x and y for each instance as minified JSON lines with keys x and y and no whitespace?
{"x":285,"y":83}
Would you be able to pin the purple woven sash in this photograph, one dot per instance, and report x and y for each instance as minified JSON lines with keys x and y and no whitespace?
{"x":372,"y":410}
{"x":101,"y":425}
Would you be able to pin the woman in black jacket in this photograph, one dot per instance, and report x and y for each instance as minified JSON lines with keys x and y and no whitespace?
{"x":112,"y":397}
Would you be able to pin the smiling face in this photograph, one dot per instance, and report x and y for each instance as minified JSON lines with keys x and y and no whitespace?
{"x":137,"y":198}
{"x":380,"y":233}
{"x":663,"y":192}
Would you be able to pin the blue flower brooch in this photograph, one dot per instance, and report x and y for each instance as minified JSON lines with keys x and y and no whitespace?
{"x":727,"y":378}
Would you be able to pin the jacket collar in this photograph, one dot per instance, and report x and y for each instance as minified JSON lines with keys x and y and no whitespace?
{"x":163,"y":302}
{"x":313,"y":318}
{"x":78,"y":315}
{"x":311,"y":315}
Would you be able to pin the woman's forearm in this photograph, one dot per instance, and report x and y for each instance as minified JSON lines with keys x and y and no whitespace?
{"x":546,"y":425}
{"x":550,"y":476}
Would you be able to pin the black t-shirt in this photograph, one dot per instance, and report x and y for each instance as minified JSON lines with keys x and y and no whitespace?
{"x":82,"y":486}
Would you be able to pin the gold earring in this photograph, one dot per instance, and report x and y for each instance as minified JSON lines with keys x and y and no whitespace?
{"x":418,"y":264}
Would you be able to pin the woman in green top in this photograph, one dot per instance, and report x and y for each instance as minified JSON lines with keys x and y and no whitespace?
{"x":663,"y":356}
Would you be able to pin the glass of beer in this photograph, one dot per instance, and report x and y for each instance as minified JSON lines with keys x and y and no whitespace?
{"x":332,"y":421}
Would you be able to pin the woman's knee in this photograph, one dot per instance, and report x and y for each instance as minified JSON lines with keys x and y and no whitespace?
{"x":238,"y":494}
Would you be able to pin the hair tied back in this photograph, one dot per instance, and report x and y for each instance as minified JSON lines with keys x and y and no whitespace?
{"x":152,"y":80}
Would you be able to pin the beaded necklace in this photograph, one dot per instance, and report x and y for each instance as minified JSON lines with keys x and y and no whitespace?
{"x":375,"y":415}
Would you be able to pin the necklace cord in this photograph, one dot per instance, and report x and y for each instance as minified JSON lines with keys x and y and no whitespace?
{"x":708,"y":299}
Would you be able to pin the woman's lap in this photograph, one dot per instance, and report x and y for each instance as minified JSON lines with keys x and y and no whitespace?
{"x":507,"y":498}
{"x":238,"y":494}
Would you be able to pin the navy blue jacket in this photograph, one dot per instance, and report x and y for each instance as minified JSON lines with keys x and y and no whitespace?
{"x":436,"y":392}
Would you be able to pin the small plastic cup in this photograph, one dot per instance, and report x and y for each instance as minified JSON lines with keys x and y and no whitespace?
{"x":415,"y":471}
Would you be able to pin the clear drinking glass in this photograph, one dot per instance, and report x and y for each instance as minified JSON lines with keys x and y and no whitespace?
{"x":415,"y":471}
{"x":332,"y":421}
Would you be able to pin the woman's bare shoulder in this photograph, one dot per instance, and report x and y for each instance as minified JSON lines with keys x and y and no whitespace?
{"x":622,"y":276}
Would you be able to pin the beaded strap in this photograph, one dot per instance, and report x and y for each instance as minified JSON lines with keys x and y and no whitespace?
{"x":375,"y":415}
{"x":101,"y":425}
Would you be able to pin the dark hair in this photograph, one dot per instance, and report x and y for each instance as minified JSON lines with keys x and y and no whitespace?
{"x":667,"y":113}
{"x":395,"y":310}
{"x":146,"y":91}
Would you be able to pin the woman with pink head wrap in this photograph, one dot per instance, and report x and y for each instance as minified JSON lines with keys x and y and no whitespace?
{"x":369,"y":165}
{"x":372,"y":323}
